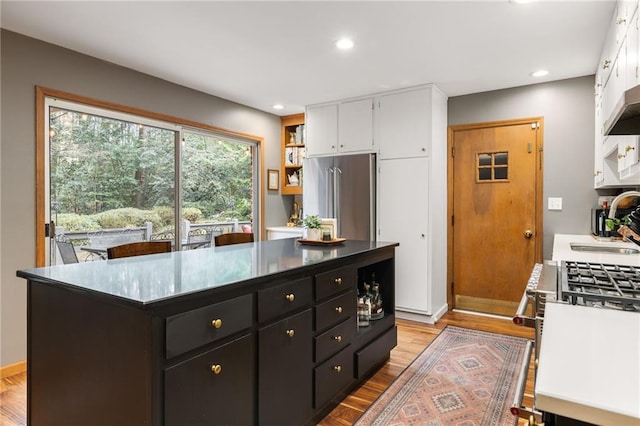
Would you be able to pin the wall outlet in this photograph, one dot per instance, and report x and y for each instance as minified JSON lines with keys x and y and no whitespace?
{"x":555,"y":203}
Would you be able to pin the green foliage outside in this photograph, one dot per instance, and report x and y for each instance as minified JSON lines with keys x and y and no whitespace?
{"x":107,"y":173}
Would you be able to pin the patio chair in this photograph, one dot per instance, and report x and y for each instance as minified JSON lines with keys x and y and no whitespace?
{"x":66,"y":249}
{"x":139,"y":248}
{"x":233,"y":238}
{"x":199,"y":238}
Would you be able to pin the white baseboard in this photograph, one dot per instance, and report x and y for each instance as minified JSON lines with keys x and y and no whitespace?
{"x":421,"y":316}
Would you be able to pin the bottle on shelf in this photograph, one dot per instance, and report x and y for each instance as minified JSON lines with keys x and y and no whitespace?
{"x":604,"y":230}
{"x":377,"y":312}
{"x":364,"y":307}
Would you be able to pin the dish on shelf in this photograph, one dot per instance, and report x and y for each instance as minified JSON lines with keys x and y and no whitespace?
{"x":331,"y":242}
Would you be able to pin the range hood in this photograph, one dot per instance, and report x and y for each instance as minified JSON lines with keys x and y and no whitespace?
{"x":625,"y":119}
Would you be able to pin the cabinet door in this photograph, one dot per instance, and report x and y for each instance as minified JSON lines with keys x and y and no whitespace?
{"x":405,"y":124}
{"x":216,"y":387}
{"x":632,"y":52}
{"x":355,"y":126}
{"x":322,"y":130}
{"x":403,"y":217}
{"x":285,"y":371}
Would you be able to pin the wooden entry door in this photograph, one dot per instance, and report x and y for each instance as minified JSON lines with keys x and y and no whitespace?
{"x":495,"y":193}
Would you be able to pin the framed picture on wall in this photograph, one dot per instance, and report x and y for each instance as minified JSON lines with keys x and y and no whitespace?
{"x":273,"y":179}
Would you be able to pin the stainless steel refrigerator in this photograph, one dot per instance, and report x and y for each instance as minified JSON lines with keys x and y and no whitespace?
{"x":344,"y":188}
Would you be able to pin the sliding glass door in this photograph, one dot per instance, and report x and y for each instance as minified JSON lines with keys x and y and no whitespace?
{"x":113,"y":177}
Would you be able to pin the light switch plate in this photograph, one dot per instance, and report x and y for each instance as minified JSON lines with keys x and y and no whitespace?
{"x":555,"y":203}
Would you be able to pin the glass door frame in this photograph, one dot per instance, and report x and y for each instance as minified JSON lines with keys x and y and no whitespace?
{"x":43,"y":207}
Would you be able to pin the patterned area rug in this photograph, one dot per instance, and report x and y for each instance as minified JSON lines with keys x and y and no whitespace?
{"x":463,"y":378}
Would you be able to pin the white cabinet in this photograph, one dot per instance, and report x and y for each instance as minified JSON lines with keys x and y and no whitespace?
{"x":616,"y":157}
{"x":322,"y":130}
{"x":406,"y":122}
{"x":403,"y":216}
{"x":412,"y":201}
{"x":340,"y":128}
{"x":355,"y":126}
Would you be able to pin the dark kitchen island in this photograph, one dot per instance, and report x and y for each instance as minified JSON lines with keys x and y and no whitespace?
{"x":262,"y":333}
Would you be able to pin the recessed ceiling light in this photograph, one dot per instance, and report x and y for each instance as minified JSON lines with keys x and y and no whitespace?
{"x":278,"y":106}
{"x":539,"y":73}
{"x":344,"y":43}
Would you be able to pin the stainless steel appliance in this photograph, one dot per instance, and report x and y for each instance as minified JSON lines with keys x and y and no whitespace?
{"x":580,"y":283}
{"x":344,"y":188}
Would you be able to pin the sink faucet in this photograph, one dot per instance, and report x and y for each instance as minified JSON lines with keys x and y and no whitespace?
{"x":615,"y":201}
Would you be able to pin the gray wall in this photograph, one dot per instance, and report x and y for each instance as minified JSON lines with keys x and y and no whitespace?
{"x":568,"y":110}
{"x":25,"y":63}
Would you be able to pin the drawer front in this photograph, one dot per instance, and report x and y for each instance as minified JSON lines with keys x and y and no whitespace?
{"x":335,"y":310}
{"x":335,"y":281}
{"x":195,"y":328}
{"x":196,"y":391}
{"x":335,"y":339}
{"x":333,"y":376}
{"x":373,"y":354}
{"x":284,"y":298}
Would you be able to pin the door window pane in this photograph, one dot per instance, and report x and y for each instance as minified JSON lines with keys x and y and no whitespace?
{"x":111,"y":181}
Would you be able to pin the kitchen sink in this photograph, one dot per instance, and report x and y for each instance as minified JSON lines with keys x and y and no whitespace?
{"x":603,"y":249}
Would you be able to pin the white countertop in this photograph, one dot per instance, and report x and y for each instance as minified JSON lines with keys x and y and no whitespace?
{"x":562,"y":250}
{"x":290,"y":229}
{"x":589,"y":365}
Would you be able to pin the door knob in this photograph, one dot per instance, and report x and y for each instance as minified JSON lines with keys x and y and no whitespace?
{"x":528,"y":233}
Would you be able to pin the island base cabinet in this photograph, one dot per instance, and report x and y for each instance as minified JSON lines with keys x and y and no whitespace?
{"x":216,"y":387}
{"x":284,"y":378}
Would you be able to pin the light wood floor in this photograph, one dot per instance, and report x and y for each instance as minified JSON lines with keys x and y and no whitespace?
{"x":413,"y":337}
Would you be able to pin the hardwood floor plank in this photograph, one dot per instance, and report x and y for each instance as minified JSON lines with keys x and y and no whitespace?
{"x":413,"y":338}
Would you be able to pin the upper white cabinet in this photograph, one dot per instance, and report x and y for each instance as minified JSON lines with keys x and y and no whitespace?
{"x":340,"y":128}
{"x":616,"y":157}
{"x":322,"y":130}
{"x":405,"y":121}
{"x":355,"y":126}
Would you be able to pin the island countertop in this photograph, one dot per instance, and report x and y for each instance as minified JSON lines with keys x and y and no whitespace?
{"x":146,"y":281}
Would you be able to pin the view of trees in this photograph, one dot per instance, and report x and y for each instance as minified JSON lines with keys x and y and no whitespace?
{"x":100,"y":165}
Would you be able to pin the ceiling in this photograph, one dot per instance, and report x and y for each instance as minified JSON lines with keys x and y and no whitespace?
{"x":263,"y":53}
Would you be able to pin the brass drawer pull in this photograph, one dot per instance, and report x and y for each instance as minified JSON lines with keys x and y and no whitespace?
{"x":338,"y":281}
{"x":216,"y":368}
{"x":216,"y":323}
{"x":290,"y":333}
{"x":339,"y":309}
{"x":337,"y":338}
{"x":290,"y":297}
{"x":337,"y":368}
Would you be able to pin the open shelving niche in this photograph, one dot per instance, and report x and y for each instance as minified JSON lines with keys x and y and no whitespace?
{"x":293,"y":153}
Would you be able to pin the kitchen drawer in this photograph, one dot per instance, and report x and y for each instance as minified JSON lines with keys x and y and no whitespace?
{"x":370,"y":356}
{"x":332,"y":376}
{"x":279,"y":300}
{"x":334,"y":339}
{"x":335,"y":310}
{"x":335,"y":281}
{"x":195,"y":328}
{"x":195,"y":394}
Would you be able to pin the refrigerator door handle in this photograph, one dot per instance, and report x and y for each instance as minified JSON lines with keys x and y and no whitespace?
{"x":330,"y":191}
{"x":337,"y":212}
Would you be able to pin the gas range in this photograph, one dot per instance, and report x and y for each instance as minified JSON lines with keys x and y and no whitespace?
{"x":600,"y":285}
